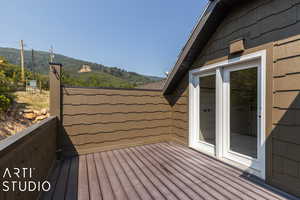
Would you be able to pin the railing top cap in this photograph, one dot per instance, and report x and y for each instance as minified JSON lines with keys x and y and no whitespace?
{"x":19,"y":136}
{"x":52,"y":63}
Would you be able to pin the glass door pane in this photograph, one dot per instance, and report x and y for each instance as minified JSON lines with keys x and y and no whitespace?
{"x":207,"y":109}
{"x":243,"y":111}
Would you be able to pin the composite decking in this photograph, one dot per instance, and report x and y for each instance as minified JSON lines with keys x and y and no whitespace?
{"x":157,"y":171}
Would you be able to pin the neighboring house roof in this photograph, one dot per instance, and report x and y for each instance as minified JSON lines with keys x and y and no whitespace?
{"x":208,"y":23}
{"x":153,"y":86}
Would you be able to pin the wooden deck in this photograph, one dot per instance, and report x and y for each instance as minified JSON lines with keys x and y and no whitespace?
{"x":158,"y":171}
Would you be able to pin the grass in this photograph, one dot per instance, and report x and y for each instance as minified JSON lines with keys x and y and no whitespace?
{"x":34,"y":101}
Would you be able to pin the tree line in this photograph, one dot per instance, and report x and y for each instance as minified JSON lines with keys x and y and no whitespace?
{"x":10,"y":81}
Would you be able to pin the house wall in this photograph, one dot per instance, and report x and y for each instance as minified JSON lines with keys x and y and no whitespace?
{"x":285,"y":138}
{"x":104,"y":119}
{"x":261,"y":23}
{"x":28,"y":149}
{"x":180,"y":124}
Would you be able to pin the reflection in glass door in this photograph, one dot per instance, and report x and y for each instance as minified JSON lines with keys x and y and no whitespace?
{"x":243,"y":111}
{"x":206,"y":113}
{"x":207,"y":101}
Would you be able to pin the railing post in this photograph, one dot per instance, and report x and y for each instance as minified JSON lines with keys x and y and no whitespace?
{"x":55,"y":73}
{"x":55,"y":89}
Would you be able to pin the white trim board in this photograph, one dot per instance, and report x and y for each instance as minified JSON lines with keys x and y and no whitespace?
{"x":257,"y":59}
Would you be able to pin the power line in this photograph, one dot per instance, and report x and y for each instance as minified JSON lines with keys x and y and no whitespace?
{"x":15,"y":42}
{"x":10,"y":44}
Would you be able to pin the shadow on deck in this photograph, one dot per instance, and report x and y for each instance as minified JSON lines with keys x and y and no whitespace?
{"x":157,"y":171}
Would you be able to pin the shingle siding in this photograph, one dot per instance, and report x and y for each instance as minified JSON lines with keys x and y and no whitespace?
{"x":103,"y":119}
{"x":286,"y":113}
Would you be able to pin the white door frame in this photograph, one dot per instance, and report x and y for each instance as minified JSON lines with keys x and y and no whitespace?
{"x":195,"y":142}
{"x":219,"y":153}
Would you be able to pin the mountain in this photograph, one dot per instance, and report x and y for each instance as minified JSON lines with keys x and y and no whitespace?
{"x":100,"y":75}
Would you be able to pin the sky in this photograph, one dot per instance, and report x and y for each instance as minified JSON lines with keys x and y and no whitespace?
{"x":143,"y":36}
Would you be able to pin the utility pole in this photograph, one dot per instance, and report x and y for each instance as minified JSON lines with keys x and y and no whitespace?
{"x":36,"y":77}
{"x":22,"y":61}
{"x":32,"y":59}
{"x":51,"y":55}
{"x":32,"y":63}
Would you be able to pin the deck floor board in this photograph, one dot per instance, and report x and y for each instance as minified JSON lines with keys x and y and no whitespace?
{"x":62,"y":181}
{"x":200,"y":172}
{"x":157,"y":171}
{"x":83,"y":184}
{"x":229,"y":174}
{"x":105,"y":186}
{"x":71,"y":190}
{"x":149,"y":186}
{"x":95,"y":192}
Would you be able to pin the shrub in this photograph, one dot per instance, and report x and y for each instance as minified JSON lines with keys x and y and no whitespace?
{"x":4,"y":103}
{"x":7,"y":85}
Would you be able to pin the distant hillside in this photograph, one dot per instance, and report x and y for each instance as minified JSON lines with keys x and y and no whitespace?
{"x":157,"y":85}
{"x":101,"y":75}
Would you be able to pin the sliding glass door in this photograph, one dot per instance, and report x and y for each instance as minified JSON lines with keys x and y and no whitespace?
{"x":227,"y":117}
{"x":242,"y":117}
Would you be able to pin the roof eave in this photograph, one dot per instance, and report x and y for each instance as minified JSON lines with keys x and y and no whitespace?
{"x":204,"y":29}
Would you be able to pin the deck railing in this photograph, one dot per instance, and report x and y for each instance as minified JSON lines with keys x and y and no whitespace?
{"x":27,"y":157}
{"x":100,"y":119}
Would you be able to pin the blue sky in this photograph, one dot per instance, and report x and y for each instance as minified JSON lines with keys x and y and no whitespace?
{"x":137,"y":35}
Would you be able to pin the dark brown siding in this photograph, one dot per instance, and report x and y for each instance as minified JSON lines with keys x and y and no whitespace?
{"x":286,"y":115}
{"x":103,"y":119}
{"x":260,"y":23}
{"x":28,"y":149}
{"x":180,"y":123}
